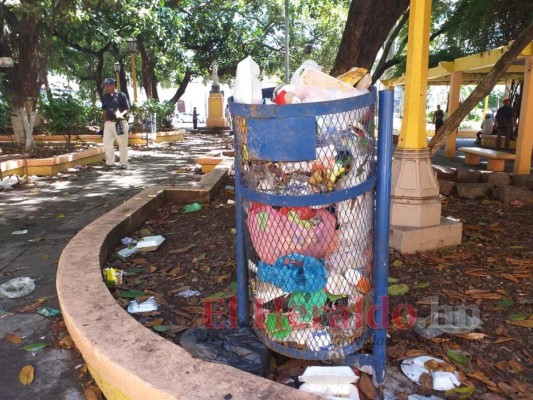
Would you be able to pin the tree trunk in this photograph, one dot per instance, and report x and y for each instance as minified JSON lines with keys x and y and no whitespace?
{"x":124,"y":82}
{"x":368,"y":25}
{"x":23,"y":80}
{"x":149,"y":78}
{"x":23,"y":121}
{"x":183,"y":85}
{"x":482,"y":89}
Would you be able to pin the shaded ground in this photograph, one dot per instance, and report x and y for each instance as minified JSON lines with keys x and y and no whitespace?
{"x":53,"y":209}
{"x":490,"y":271}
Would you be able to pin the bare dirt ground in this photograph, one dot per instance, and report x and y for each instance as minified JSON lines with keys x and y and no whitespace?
{"x":490,"y":271}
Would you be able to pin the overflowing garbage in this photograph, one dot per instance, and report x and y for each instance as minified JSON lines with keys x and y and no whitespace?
{"x":308,"y":146}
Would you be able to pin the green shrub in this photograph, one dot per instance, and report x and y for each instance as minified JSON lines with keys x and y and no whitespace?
{"x":93,"y":115}
{"x":162,"y":111}
{"x":5,"y":114}
{"x":63,"y":113}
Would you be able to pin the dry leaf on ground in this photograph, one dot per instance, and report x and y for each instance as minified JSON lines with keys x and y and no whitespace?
{"x":26,"y":374}
{"x":503,"y":340}
{"x":470,"y":335}
{"x":12,"y":338}
{"x":426,"y":384}
{"x":516,"y":366}
{"x":366,"y":386}
{"x":528,"y":323}
{"x":415,"y":353}
{"x":32,"y":307}
{"x":480,"y":376}
{"x":508,"y":389}
{"x":522,"y":387}
{"x":92,"y":393}
{"x":66,"y":342}
{"x":154,"y":322}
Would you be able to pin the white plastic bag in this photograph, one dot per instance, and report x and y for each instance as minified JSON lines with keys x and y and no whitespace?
{"x":17,"y":287}
{"x":247,"y":88}
{"x":310,"y":84}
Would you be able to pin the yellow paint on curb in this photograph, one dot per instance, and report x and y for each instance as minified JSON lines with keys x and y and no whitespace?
{"x":110,"y":391}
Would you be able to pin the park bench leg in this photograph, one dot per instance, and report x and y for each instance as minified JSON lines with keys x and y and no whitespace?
{"x":472,"y":159}
{"x":496,"y":165}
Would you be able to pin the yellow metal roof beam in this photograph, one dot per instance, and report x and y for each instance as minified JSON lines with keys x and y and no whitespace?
{"x":486,"y":58}
{"x":518,"y":69}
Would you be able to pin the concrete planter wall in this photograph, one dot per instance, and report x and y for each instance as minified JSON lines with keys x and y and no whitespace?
{"x":127,"y":360}
{"x":51,"y":165}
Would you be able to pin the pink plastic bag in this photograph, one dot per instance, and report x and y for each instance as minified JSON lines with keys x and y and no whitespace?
{"x":275,"y":235}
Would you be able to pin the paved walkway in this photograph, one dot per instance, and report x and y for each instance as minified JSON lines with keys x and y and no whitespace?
{"x":53,"y":210}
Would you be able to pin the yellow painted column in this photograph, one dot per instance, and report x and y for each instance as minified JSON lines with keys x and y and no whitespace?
{"x":524,"y":146}
{"x":134,"y":77}
{"x":413,"y":132}
{"x":453,"y":104}
{"x":486,"y":106}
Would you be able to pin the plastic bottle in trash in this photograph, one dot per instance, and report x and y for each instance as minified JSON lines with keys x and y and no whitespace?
{"x":247,"y":84}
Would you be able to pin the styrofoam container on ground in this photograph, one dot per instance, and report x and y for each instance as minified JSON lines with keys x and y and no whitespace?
{"x":335,"y":383}
{"x":149,"y":243}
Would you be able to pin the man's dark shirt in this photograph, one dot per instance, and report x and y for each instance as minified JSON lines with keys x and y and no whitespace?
{"x":504,"y":116}
{"x":113,"y":102}
{"x":439,"y":115}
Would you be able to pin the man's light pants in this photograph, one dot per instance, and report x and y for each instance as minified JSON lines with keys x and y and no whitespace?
{"x":110,"y":134}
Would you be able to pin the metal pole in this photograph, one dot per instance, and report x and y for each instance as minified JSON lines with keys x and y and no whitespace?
{"x":242,"y":267}
{"x":381,"y":238}
{"x":286,"y":41}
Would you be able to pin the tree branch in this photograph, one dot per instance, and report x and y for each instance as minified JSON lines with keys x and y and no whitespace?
{"x":388,"y":44}
{"x":78,"y":47}
{"x":183,"y":85}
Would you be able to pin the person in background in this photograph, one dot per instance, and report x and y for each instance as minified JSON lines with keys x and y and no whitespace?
{"x":194,"y":118}
{"x":486,"y":128}
{"x":504,"y":123}
{"x":438,"y":118}
{"x":115,"y":107}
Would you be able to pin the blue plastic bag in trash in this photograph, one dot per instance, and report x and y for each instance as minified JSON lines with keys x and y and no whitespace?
{"x":294,"y":273}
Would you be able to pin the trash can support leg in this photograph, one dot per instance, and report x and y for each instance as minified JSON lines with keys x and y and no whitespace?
{"x":242,"y":268}
{"x":381,"y":239}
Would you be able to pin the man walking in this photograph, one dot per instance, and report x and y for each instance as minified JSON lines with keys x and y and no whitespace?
{"x":115,"y":107}
{"x":194,"y":118}
{"x":504,"y":123}
{"x":438,"y":118}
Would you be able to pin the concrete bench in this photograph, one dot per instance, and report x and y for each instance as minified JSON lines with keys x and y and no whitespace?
{"x":496,"y":159}
{"x":490,"y":141}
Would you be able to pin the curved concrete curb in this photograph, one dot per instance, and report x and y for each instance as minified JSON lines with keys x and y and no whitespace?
{"x":127,"y":360}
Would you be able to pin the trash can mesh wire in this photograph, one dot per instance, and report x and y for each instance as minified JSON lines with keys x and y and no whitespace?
{"x":310,"y":267}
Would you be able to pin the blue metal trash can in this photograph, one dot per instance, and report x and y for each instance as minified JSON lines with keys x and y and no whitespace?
{"x":305,"y":179}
